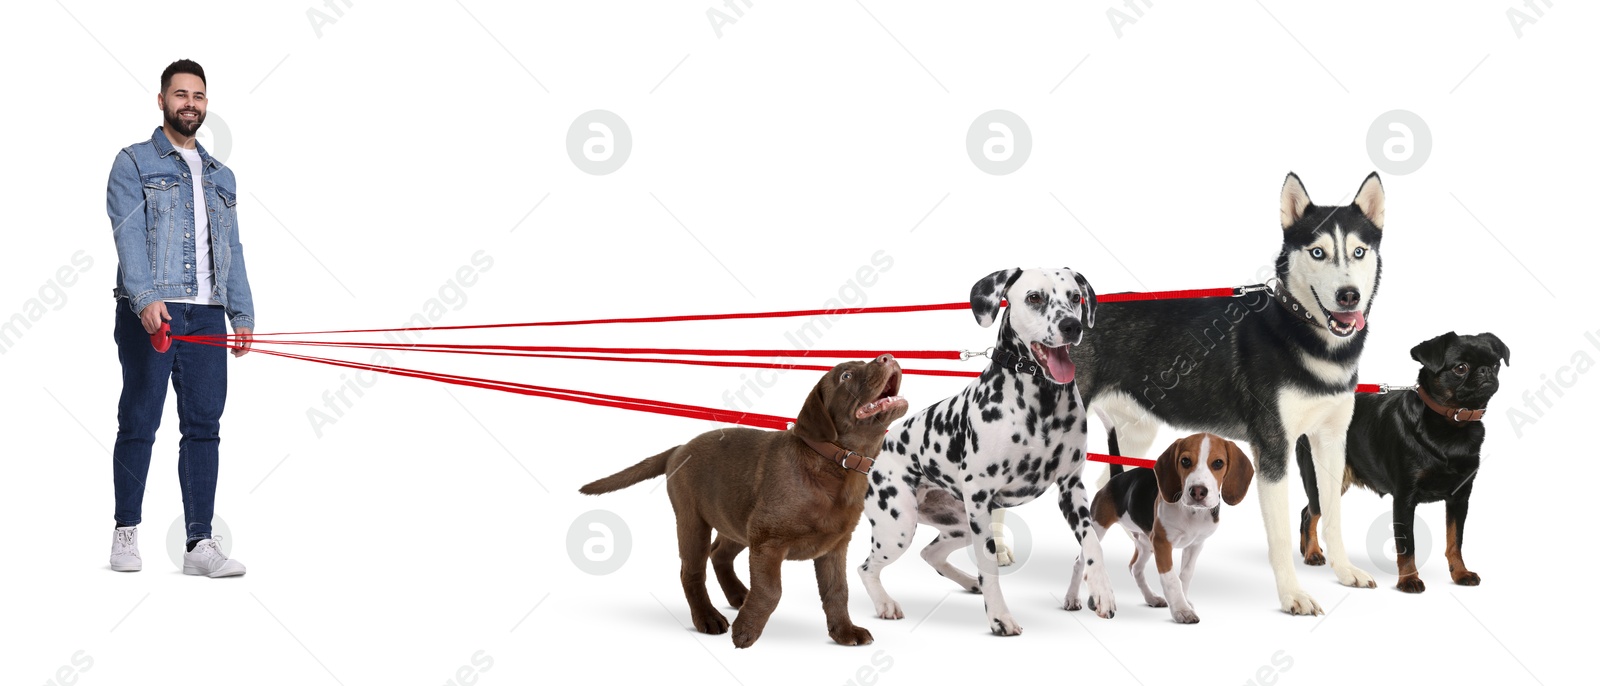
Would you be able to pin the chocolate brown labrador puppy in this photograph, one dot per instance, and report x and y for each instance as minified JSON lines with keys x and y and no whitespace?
{"x":785,"y":495}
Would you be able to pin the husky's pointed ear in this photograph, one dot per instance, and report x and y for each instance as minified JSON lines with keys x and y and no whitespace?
{"x":1370,"y":199}
{"x":1292,"y":205}
{"x":1431,"y":352}
{"x":987,"y":293}
{"x":1090,"y":302}
{"x":1498,"y":346}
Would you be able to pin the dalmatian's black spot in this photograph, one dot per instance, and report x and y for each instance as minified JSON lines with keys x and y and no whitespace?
{"x":946,"y":519}
{"x":877,"y":478}
{"x":979,"y":497}
{"x":974,"y":525}
{"x":989,"y":545}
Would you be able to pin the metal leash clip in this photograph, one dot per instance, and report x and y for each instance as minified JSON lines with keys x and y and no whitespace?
{"x":1384,"y":388}
{"x":986,"y":352}
{"x":1239,"y":291}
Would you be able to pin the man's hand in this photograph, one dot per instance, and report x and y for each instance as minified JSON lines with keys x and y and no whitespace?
{"x":241,"y":343}
{"x":153,"y":315}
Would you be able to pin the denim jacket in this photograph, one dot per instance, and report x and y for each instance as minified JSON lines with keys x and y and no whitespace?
{"x":150,"y":199}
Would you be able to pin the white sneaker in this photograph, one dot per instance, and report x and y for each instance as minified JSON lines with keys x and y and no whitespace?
{"x":125,"y":549}
{"x":207,"y":559}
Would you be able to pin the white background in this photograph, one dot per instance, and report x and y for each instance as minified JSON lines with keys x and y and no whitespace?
{"x":428,"y":523}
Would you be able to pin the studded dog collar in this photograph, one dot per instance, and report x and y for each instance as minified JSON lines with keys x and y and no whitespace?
{"x":1293,"y":306}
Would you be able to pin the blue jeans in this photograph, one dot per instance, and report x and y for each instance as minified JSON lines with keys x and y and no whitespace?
{"x":199,"y":374}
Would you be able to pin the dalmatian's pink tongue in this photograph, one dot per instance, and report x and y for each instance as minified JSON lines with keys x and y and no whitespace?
{"x":1352,"y":319}
{"x":1058,"y":362}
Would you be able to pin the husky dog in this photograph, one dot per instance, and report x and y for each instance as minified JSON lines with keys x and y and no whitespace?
{"x":1267,"y":368}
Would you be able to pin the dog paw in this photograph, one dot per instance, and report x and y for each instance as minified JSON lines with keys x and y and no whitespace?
{"x":1156,"y":601}
{"x":889,"y":609}
{"x":1003,"y":556}
{"x":1004,"y":625}
{"x":1298,"y":602}
{"x":1315,"y":558}
{"x":1104,"y":606}
{"x":1101,"y":599}
{"x":1411,"y":583}
{"x":1355,"y":577}
{"x":1185,"y":616}
{"x":745,"y":635}
{"x":851,"y":636}
{"x":710,"y":622}
{"x":1072,"y":605}
{"x":1466,"y":578}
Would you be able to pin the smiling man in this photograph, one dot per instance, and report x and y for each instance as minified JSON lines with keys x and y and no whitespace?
{"x":179,"y":261}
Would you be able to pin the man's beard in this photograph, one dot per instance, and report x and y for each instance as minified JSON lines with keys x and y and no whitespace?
{"x":184,"y":127}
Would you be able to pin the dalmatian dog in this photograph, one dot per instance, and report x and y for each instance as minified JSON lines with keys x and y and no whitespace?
{"x":1019,"y":427}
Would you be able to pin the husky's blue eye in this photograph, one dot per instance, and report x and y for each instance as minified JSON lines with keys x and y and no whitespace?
{"x":1360,"y":253}
{"x":1317,"y":254}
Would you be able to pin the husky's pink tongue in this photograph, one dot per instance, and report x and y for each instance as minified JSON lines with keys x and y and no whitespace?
{"x":1358,"y":319}
{"x":1060,"y":364}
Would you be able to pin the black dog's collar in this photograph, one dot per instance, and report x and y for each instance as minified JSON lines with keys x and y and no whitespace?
{"x":1295,"y":309}
{"x":1005,"y":359}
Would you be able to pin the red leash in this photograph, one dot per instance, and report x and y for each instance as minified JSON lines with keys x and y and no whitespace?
{"x":162,"y":340}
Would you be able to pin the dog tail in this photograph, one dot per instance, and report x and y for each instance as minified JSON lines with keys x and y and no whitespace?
{"x":1111,"y":442}
{"x":650,"y":468}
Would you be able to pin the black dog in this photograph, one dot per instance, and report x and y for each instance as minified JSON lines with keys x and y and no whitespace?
{"x":1421,"y":446}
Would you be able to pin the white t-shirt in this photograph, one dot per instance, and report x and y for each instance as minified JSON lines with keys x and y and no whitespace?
{"x":202,"y":234}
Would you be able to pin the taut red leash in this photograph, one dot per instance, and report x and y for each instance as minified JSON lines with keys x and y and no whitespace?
{"x":162,"y":340}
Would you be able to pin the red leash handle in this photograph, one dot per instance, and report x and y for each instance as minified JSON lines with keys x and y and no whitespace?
{"x":161,"y":340}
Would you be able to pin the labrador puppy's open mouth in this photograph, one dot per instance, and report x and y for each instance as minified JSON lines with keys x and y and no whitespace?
{"x":1056,"y":360}
{"x":889,"y":398}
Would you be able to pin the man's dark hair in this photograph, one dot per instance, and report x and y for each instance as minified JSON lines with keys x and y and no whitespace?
{"x":181,"y":67}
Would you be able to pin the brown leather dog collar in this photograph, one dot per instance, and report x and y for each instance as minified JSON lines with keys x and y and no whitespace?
{"x":844,"y":457}
{"x":1458,"y":416}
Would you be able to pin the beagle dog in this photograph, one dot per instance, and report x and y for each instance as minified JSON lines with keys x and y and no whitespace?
{"x":1192,"y":478}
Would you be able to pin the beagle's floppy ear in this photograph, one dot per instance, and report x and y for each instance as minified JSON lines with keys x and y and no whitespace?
{"x":1498,"y":346}
{"x":1090,"y":302}
{"x":816,"y":421}
{"x":1431,"y":352}
{"x":987,"y":293}
{"x":1168,"y":481}
{"x":1236,"y":482}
